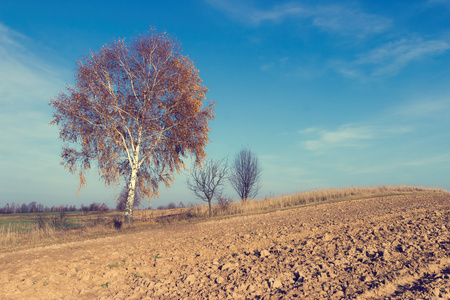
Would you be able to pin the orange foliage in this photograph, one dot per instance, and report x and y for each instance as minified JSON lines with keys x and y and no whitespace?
{"x":137,"y":109}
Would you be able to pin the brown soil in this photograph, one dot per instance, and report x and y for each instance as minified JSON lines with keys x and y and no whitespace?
{"x":395,"y":247}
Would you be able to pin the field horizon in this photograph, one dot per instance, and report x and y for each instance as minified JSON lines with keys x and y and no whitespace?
{"x":22,"y":230}
{"x":375,"y":246}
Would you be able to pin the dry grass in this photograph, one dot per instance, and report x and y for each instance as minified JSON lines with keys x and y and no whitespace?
{"x":315,"y":197}
{"x":15,"y":236}
{"x":24,"y":230}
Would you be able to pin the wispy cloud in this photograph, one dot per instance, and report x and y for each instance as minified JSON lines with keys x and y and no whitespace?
{"x":277,"y":13}
{"x":27,"y":84}
{"x":24,"y":77}
{"x":397,"y":164}
{"x":268,"y":65}
{"x":332,"y":18}
{"x":437,"y":159}
{"x":390,"y":58}
{"x":347,"y":136}
{"x":246,"y":13}
{"x":424,"y":108}
{"x":9,"y":37}
{"x":349,"y":21}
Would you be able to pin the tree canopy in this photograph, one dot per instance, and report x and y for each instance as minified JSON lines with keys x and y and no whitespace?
{"x":137,"y":109}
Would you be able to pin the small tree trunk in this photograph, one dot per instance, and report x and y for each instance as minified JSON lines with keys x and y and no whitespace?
{"x":209,"y":203}
{"x":130,"y":200}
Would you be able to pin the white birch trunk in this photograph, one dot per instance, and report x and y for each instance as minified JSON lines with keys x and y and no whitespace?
{"x":130,"y":200}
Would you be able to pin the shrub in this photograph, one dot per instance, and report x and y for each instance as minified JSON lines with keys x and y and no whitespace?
{"x":59,"y":220}
{"x":117,"y":221}
{"x":224,"y":202}
{"x":103,"y":208}
{"x":42,"y":222}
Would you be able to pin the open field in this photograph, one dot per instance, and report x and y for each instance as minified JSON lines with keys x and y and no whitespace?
{"x":395,"y":246}
{"x":20,"y":231}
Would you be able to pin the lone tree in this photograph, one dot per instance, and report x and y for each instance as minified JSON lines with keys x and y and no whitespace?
{"x":207,"y":180}
{"x":137,"y":109}
{"x":245,"y":174}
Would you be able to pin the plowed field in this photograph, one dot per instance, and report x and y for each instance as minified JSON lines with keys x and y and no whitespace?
{"x":395,"y":247}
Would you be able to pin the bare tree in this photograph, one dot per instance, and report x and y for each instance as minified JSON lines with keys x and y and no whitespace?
{"x":207,"y":180}
{"x":245,"y":174}
{"x":137,"y":109}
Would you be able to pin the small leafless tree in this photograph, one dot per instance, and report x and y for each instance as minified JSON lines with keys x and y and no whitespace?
{"x":245,"y":174}
{"x":207,"y":180}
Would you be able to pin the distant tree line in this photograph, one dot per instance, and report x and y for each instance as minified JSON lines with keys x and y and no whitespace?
{"x":34,"y":207}
{"x":171,"y":205}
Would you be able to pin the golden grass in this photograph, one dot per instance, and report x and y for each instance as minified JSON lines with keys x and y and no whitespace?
{"x":306,"y":198}
{"x":15,"y":236}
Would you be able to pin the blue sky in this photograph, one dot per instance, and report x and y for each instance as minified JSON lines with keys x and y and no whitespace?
{"x":326,"y":93}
